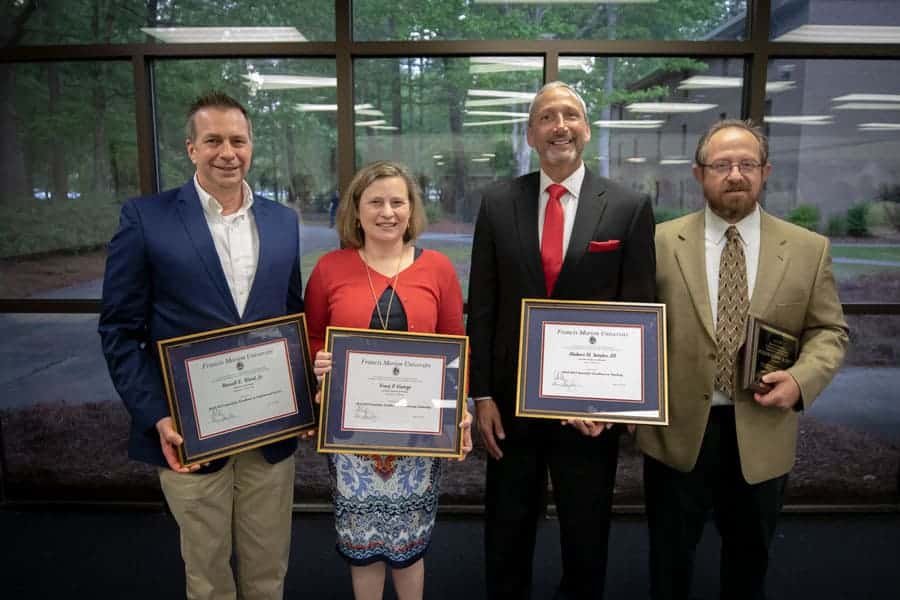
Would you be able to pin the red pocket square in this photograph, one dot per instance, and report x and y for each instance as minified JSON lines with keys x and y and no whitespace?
{"x":607,"y":246}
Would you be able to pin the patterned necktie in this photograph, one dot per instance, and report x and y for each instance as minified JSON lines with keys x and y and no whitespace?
{"x":552,"y":236}
{"x":732,"y":311}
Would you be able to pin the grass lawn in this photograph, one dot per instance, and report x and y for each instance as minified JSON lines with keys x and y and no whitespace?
{"x":868,"y":252}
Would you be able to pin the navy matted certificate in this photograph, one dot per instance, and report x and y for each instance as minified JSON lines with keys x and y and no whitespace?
{"x":593,"y":360}
{"x":239,"y":387}
{"x":393,"y":392}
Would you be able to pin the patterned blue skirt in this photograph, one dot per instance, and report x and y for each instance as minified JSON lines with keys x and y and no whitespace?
{"x":384,"y":507}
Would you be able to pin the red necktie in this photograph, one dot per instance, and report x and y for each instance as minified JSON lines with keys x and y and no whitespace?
{"x":552,"y":236}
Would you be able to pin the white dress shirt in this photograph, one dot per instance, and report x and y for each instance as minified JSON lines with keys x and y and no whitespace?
{"x":716,"y":226}
{"x":569,"y":202}
{"x":237,"y":242}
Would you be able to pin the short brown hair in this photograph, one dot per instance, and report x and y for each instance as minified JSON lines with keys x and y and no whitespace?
{"x":347,"y":220}
{"x":748,"y":126}
{"x":213,"y":99}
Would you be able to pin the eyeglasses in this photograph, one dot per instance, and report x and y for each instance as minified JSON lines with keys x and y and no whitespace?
{"x":724,"y":167}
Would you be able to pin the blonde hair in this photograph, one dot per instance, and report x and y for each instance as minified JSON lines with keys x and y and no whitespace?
{"x":347,"y":220}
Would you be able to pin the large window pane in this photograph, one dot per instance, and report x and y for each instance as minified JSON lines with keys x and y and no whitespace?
{"x":56,"y":400}
{"x":646,"y":116}
{"x":836,"y":165}
{"x":69,"y":155}
{"x":838,"y":21}
{"x":165,"y":21}
{"x":458,"y":123}
{"x":531,"y":20}
{"x":293,"y":107}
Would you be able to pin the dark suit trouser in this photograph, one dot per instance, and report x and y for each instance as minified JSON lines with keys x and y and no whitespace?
{"x":678,"y":505}
{"x":583,"y":472}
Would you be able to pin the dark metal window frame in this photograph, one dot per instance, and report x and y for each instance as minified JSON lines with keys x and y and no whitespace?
{"x":756,"y":50}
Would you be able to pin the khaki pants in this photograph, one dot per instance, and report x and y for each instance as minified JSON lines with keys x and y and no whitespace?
{"x":247,"y":502}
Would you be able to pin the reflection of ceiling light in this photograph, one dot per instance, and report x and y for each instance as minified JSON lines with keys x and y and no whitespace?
{"x":629,"y":124}
{"x":209,"y":35}
{"x":701,"y":82}
{"x":359,"y":109}
{"x":566,"y":1}
{"x":668,"y":107}
{"x":496,"y":102}
{"x":315,"y":107}
{"x":707,"y":82}
{"x":438,"y":156}
{"x":503,"y":64}
{"x":494,"y":113}
{"x":370,"y":123}
{"x":878,"y":126}
{"x":675,"y":160}
{"x":488,"y":154}
{"x":497,"y":122}
{"x":439,"y":163}
{"x":636,"y":159}
{"x":842,"y":34}
{"x":502,"y":94}
{"x":385,"y":127}
{"x":868,"y":98}
{"x":287,"y":82}
{"x":773,"y":87}
{"x":482,"y":159}
{"x":867,"y":106}
{"x":801,"y":120}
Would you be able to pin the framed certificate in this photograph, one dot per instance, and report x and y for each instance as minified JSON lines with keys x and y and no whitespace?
{"x":238,"y":388}
{"x":767,"y":349}
{"x":393,"y":392}
{"x":593,"y":360}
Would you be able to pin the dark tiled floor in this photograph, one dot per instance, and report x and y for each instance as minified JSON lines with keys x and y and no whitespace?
{"x":134,"y":555}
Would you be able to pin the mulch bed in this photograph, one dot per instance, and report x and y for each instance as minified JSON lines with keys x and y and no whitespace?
{"x":60,"y":452}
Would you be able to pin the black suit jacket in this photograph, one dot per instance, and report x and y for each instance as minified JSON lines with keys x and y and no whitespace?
{"x":506,"y":267}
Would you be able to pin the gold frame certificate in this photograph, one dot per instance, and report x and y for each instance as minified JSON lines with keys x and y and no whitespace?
{"x":239,"y":387}
{"x":393,"y":392}
{"x":594,"y":360}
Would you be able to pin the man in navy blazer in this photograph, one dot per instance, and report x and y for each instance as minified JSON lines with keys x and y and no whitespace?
{"x":604,"y":251}
{"x":205,"y":256}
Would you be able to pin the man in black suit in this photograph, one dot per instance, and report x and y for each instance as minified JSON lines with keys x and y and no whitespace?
{"x":535,"y":242}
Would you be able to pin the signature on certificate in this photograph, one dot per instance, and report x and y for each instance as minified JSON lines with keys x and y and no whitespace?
{"x":561,"y":379}
{"x":218,"y":414}
{"x":364,"y":413}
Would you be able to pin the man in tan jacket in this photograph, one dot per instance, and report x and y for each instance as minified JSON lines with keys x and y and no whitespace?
{"x":728,"y":450}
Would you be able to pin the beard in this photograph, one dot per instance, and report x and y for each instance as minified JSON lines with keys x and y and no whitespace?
{"x":733,"y":203}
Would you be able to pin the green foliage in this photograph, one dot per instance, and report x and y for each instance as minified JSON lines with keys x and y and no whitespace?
{"x":433,"y":211}
{"x":806,"y":216}
{"x":857,"y":220}
{"x":37,"y":227}
{"x":889,"y":194}
{"x":837,"y":226}
{"x":661,"y":214}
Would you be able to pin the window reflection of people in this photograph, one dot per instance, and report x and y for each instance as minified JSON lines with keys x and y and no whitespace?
{"x":384,"y":505}
{"x":206,"y":256}
{"x":519,"y":251}
{"x":726,"y":450}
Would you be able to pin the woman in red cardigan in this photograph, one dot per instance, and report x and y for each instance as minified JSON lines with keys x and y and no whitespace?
{"x":384,"y":505}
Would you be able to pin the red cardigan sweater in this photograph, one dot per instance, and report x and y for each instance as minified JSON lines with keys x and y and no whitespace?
{"x":338,"y":294}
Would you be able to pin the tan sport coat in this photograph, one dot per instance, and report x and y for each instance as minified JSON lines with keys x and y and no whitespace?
{"x":794,"y":290}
